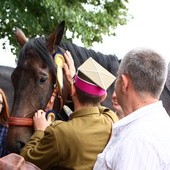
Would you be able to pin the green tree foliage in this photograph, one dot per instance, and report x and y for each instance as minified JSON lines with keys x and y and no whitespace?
{"x":87,"y":20}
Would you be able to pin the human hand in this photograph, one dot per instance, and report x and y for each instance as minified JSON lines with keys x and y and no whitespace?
{"x":40,"y":121}
{"x":69,"y":67}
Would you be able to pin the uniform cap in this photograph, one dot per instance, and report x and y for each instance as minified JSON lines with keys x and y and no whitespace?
{"x":95,"y":75}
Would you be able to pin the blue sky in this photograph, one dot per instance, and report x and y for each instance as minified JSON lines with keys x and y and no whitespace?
{"x":149,"y":28}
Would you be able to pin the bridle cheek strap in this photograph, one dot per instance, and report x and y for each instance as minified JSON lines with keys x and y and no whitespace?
{"x":50,"y":103}
{"x":59,"y":61}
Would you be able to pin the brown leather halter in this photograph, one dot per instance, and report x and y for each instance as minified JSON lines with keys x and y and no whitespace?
{"x":18,"y":121}
{"x":57,"y":92}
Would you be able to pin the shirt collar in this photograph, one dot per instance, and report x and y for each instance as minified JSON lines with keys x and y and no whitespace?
{"x":118,"y":126}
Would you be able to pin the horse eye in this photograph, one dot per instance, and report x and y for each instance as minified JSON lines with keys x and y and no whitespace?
{"x":43,"y":79}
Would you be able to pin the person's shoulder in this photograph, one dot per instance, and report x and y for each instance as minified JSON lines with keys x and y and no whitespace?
{"x":57,"y":122}
{"x":105,"y":109}
{"x":109,"y":112}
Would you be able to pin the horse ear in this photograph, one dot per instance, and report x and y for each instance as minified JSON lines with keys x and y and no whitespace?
{"x":20,"y":36}
{"x":56,"y":37}
{"x":59,"y":32}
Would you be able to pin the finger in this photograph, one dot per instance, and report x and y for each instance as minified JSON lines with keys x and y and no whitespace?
{"x":67,"y":57}
{"x":40,"y":111}
{"x":69,"y":60}
{"x":35,"y":115}
{"x":66,"y":69}
{"x":67,"y":73}
{"x":70,"y":56}
{"x":69,"y":67}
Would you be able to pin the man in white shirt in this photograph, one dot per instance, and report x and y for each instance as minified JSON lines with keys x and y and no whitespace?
{"x":140,"y":140}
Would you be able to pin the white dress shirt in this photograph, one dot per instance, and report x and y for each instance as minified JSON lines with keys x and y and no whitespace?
{"x":139,"y":141}
{"x":168,"y":78}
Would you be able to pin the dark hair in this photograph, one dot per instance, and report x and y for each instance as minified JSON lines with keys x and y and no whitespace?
{"x":86,"y":98}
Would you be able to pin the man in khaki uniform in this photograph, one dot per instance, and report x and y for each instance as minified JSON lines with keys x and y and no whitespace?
{"x":76,"y":143}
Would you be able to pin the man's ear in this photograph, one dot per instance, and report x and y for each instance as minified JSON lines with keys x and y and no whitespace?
{"x":103,"y":97}
{"x":125,"y":82}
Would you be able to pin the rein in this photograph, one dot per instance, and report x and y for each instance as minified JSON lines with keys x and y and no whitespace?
{"x":57,"y":92}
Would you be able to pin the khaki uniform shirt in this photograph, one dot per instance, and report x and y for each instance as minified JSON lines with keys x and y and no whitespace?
{"x":74,"y":144}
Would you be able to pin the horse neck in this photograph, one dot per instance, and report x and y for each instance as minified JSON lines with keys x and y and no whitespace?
{"x":80,"y":54}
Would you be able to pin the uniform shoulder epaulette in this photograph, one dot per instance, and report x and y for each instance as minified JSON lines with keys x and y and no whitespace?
{"x":109,"y":112}
{"x":56,"y":122}
{"x":103,"y":109}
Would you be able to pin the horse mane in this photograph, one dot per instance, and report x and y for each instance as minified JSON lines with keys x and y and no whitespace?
{"x":80,"y":54}
{"x":37,"y":47}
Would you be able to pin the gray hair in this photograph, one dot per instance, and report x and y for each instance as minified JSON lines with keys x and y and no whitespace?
{"x":147,"y":69}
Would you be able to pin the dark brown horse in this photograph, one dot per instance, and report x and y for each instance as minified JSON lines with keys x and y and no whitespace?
{"x":34,"y":79}
{"x":35,"y":76}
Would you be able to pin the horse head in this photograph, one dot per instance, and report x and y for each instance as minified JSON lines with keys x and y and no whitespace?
{"x":34,"y":81}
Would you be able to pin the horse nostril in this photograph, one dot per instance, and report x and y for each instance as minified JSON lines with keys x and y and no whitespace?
{"x":20,"y":145}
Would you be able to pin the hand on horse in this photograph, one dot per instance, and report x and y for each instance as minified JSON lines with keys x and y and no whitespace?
{"x":40,"y":121}
{"x":69,"y":67}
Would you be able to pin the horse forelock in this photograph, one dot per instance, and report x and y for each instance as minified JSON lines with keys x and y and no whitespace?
{"x":36,"y":48}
